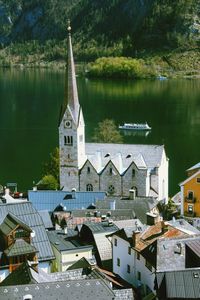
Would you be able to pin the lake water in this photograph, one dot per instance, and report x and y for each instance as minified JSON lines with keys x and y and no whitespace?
{"x":30,"y":102}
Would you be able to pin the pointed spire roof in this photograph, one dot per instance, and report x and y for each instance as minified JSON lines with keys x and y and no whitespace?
{"x":71,"y":93}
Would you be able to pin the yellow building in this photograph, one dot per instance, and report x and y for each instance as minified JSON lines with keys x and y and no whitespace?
{"x":190,"y":193}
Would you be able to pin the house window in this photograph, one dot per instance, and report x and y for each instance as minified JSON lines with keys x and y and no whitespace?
{"x":118,"y":262}
{"x":88,"y":170}
{"x":138,"y":255}
{"x":190,"y":209}
{"x":68,"y":156}
{"x":133,"y":172}
{"x":89,"y":187}
{"x":111,"y":189}
{"x":138,"y":276}
{"x":190,"y":195}
{"x":115,"y":242}
{"x":198,"y":179}
{"x":129,"y":250}
{"x":111,"y":171}
{"x":128,"y":269}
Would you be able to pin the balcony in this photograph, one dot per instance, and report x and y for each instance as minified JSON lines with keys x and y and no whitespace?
{"x":190,"y":200}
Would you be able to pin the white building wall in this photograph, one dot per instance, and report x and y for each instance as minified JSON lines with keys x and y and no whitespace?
{"x":136,"y":265}
{"x":3,"y":274}
{"x":44,"y":266}
{"x":69,"y":258}
{"x":163,"y":179}
{"x":121,"y":251}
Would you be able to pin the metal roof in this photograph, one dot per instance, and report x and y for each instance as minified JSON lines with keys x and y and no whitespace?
{"x":182,"y":284}
{"x":28,"y":215}
{"x":194,"y":245}
{"x":10,"y":223}
{"x":49,"y":200}
{"x":20,"y":247}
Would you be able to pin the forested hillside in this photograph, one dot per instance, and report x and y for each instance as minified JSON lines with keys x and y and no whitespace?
{"x":100,"y":27}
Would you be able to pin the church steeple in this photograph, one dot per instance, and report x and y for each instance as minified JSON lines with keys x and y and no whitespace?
{"x":71,"y":128}
{"x":73,"y":101}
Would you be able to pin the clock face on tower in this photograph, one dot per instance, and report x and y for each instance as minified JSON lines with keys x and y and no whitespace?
{"x":68,"y":124}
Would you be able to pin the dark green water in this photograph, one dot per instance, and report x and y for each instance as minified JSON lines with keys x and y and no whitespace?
{"x":29,"y":108}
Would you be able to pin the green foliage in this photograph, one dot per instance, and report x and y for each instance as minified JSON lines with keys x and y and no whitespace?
{"x":169,"y":210}
{"x":107,"y":132}
{"x":119,"y":67}
{"x":48,"y":182}
{"x":51,"y":167}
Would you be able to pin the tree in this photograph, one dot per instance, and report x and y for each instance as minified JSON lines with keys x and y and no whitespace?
{"x":48,"y":182}
{"x":51,"y":167}
{"x":107,"y":132}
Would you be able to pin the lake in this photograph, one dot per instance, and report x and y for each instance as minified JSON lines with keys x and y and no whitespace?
{"x":30,"y":102}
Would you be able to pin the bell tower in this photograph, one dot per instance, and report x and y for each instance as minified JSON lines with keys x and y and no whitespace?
{"x":71,"y":128}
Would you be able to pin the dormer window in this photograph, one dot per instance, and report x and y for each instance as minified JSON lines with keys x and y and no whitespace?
{"x":107,"y":155}
{"x":128,"y":156}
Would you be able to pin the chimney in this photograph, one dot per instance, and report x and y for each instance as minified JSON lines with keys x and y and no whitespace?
{"x":152,"y":219}
{"x":164,"y":227}
{"x":65,"y":229}
{"x":135,"y":237}
{"x":74,"y":193}
{"x":35,"y":188}
{"x":132,"y":194}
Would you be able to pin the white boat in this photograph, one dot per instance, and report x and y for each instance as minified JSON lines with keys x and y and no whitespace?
{"x":135,"y":126}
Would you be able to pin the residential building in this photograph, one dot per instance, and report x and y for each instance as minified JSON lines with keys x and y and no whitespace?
{"x":138,"y":252}
{"x":190,"y":193}
{"x":96,"y":234}
{"x":67,"y":249}
{"x":114,"y":168}
{"x":22,"y":237}
{"x":83,"y":282}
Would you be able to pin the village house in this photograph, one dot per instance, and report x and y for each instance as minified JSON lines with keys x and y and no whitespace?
{"x":113,"y":168}
{"x":190,"y":194}
{"x":22,"y":237}
{"x":140,"y":251}
{"x":81,"y":282}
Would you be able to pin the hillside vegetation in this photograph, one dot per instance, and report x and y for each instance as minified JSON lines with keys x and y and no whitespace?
{"x":167,"y":32}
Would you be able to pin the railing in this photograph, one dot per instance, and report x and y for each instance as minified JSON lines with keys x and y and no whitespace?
{"x":190,"y":200}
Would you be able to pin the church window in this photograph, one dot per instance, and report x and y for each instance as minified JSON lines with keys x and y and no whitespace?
{"x":111,"y":171}
{"x":89,"y":187}
{"x":88,"y":170}
{"x":68,"y":140}
{"x":133,"y":172}
{"x":111,"y":189}
{"x":107,"y":155}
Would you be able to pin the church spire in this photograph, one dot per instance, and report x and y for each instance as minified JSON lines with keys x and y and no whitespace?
{"x":73,"y":101}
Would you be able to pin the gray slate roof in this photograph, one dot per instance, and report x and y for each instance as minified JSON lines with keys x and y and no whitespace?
{"x":122,"y":155}
{"x":28,"y":215}
{"x":20,"y":247}
{"x":63,"y":242}
{"x":49,"y":200}
{"x":182,"y":284}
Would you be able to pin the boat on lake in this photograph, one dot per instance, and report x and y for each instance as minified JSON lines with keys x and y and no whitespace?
{"x":135,"y":126}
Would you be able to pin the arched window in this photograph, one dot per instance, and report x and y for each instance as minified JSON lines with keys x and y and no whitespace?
{"x":111,"y":189}
{"x":89,"y":187}
{"x":135,"y":189}
{"x":190,"y":195}
{"x":133,"y":172}
{"x":88,"y":170}
{"x":111,"y":171}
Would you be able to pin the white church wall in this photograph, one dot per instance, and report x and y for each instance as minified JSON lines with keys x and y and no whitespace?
{"x":163,"y":178}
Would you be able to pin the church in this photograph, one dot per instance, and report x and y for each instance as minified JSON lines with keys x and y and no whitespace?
{"x":113,"y":168}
